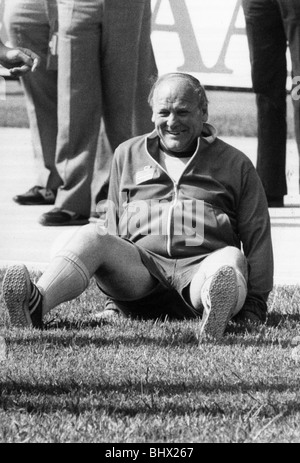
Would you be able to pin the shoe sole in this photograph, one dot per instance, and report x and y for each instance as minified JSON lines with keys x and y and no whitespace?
{"x":29,"y":203}
{"x":16,"y":293}
{"x":223,"y":294}
{"x":45,"y":223}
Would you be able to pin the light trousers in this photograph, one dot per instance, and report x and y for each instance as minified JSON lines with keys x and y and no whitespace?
{"x":104,"y":70}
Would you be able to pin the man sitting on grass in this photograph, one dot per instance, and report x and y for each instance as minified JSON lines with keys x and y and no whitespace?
{"x":181,"y":206}
{"x":18,"y":60}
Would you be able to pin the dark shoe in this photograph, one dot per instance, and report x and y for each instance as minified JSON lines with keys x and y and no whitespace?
{"x":60,"y":217}
{"x":36,"y":196}
{"x":275,"y":201}
{"x":247,"y":317}
{"x":17,"y":290}
{"x":251,"y":313}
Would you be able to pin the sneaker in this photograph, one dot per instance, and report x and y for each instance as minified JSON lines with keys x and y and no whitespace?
{"x":36,"y":196}
{"x":61,"y":217}
{"x":17,"y":289}
{"x":219,"y":296}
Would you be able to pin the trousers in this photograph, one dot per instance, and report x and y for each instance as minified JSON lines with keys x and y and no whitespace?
{"x":102,"y":70}
{"x":272,"y":26}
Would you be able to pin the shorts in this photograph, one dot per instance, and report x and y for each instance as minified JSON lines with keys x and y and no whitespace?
{"x":170,"y":297}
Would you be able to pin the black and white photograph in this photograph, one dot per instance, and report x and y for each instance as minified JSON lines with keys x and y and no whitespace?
{"x":149,"y":224}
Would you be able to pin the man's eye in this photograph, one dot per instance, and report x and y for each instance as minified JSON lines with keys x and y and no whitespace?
{"x":163,"y":113}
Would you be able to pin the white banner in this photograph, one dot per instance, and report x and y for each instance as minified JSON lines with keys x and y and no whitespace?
{"x":206,"y":38}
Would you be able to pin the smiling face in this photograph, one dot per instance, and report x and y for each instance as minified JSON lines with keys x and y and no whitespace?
{"x":177,"y":114}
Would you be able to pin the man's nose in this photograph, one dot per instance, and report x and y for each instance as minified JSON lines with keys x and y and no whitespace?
{"x":172,"y":120}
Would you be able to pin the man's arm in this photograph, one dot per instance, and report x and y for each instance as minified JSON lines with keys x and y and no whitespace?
{"x":19,"y":61}
{"x":255,"y":234}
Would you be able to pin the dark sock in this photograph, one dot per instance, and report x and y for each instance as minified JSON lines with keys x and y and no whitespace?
{"x":35,"y":298}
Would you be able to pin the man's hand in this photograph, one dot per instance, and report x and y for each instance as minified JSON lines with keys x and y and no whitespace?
{"x":19,"y":61}
{"x":253,"y":311}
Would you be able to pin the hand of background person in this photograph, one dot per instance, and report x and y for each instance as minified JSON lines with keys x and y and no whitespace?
{"x":19,"y":61}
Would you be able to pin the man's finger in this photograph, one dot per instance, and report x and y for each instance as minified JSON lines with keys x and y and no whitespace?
{"x":35,"y":60}
{"x":35,"y":65}
{"x":20,"y":70}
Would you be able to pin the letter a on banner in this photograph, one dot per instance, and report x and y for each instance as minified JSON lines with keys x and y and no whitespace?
{"x":183,"y":27}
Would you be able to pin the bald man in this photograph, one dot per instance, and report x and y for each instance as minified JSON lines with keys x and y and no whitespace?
{"x":182,"y":206}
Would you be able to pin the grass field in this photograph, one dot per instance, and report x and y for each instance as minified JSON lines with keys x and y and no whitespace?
{"x":132,"y":381}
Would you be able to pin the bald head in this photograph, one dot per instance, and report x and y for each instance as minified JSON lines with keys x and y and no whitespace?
{"x":188,"y":80}
{"x":179,"y":107}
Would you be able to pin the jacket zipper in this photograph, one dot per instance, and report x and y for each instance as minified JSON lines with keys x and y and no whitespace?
{"x":175,"y":200}
{"x":171,"y":213}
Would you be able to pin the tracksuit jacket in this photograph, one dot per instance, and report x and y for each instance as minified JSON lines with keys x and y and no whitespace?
{"x":218,"y":201}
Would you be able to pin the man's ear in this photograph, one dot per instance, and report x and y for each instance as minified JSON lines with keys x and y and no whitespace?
{"x":153,"y":118}
{"x":204,"y":113}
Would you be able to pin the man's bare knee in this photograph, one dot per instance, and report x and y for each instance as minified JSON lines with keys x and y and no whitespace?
{"x":233,"y":256}
{"x":88,"y":240}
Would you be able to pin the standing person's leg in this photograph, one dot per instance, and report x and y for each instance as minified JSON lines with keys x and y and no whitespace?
{"x":127,"y":67}
{"x":220,"y":287}
{"x":102,"y":167}
{"x":88,"y":253}
{"x":79,"y":108}
{"x":290,"y":12}
{"x":28,"y":24}
{"x":267,"y":46}
{"x":146,"y":73}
